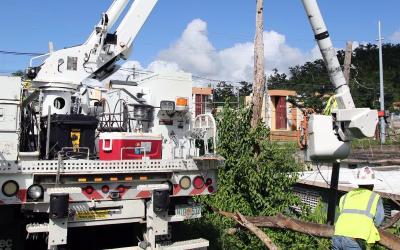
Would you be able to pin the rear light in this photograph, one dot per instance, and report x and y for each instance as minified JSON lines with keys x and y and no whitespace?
{"x":198,"y":182}
{"x":10,"y":188}
{"x":185,"y":182}
{"x":210,"y":189}
{"x":35,"y":192}
{"x":105,"y":189}
{"x":209,"y":181}
{"x":121,"y":189}
{"x":89,"y":190}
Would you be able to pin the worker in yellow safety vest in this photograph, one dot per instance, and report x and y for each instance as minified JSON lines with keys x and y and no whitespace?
{"x":361,"y":212}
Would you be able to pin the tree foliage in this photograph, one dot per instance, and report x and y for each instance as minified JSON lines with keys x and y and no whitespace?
{"x":253,"y":184}
{"x":312,"y":83}
{"x":227,"y":92}
{"x":18,"y":73}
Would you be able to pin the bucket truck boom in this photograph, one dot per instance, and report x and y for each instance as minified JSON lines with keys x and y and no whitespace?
{"x":63,"y":71}
{"x":79,"y":156}
{"x":330,"y":136}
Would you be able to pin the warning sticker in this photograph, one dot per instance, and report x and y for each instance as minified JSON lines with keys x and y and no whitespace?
{"x":92,"y":215}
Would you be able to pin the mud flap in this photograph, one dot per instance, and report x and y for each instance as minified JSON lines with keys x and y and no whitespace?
{"x":11,"y":228}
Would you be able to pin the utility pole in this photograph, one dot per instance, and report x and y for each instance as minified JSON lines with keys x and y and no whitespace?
{"x":347,"y":60}
{"x":259,"y":74}
{"x":382,"y":93}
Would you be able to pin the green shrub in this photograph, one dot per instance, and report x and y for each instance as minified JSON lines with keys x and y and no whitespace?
{"x":256,"y":180}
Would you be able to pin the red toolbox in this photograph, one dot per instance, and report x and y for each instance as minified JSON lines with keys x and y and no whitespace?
{"x":129,"y":146}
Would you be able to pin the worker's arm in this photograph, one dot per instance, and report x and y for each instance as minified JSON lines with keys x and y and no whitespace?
{"x":380,"y":213}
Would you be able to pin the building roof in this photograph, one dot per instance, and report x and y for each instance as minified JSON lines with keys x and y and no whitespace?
{"x":389,"y":185}
{"x":281,"y":92}
{"x":202,"y":91}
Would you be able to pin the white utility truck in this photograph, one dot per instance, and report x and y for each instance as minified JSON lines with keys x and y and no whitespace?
{"x":86,"y":157}
{"x":127,"y":154}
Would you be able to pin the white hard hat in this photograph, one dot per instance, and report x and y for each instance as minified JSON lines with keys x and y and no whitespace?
{"x":364,"y":176}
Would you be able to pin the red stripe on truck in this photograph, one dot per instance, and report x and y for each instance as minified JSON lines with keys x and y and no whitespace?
{"x":22,"y":195}
{"x":93,"y":196}
{"x":198,"y":191}
{"x":143,"y":194}
{"x":177,"y":189}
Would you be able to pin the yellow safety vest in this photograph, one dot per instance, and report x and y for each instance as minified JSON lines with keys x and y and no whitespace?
{"x":357,"y":212}
{"x":331,"y":104}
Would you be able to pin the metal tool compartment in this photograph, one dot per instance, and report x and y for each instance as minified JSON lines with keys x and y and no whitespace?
{"x":10,"y":100}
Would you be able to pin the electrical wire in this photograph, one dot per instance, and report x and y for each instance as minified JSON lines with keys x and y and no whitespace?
{"x":234,"y":81}
{"x":320,"y":173}
{"x":16,"y":53}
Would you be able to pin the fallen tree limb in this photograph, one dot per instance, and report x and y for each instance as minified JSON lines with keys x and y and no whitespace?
{"x":392,"y":221}
{"x":282,"y":222}
{"x":258,"y":232}
{"x":243,"y":221}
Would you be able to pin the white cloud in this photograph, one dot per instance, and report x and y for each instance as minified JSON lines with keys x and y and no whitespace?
{"x":163,"y":66}
{"x":395,"y":37}
{"x":193,"y":52}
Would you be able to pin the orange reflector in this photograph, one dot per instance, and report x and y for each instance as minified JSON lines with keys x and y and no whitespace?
{"x":98,"y":179}
{"x":113,"y":179}
{"x":182,"y":101}
{"x":82,"y":180}
{"x":128,"y":178}
{"x":143,"y":178}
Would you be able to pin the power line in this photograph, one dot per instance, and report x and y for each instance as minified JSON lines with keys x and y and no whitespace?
{"x":15,"y":53}
{"x":202,"y":78}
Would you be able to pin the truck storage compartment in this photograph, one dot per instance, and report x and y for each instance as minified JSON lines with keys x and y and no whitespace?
{"x":10,"y":113}
{"x":73,"y":133}
{"x":129,"y":146}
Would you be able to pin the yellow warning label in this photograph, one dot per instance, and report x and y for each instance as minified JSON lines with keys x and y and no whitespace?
{"x":75,"y":139}
{"x":92,"y":215}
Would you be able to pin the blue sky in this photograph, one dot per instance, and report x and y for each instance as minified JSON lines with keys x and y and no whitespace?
{"x":29,"y":25}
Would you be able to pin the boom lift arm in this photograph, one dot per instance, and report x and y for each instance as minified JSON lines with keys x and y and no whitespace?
{"x":327,"y":142}
{"x":63,"y":71}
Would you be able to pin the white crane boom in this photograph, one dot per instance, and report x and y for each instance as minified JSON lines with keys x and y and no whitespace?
{"x":115,"y":10}
{"x":131,"y":25}
{"x":63,"y":71}
{"x":343,"y":96}
{"x":330,"y":136}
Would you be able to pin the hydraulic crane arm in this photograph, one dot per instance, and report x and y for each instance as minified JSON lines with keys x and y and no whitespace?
{"x":67,"y":68}
{"x":131,"y":25}
{"x":343,"y":95}
{"x":63,"y":71}
{"x":330,"y":136}
{"x":115,"y":10}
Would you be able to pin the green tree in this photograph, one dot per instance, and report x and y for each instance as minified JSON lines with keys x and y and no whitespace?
{"x":245,"y":88}
{"x":223,"y":92}
{"x":312,"y":84}
{"x":18,"y":73}
{"x":252,"y":183}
